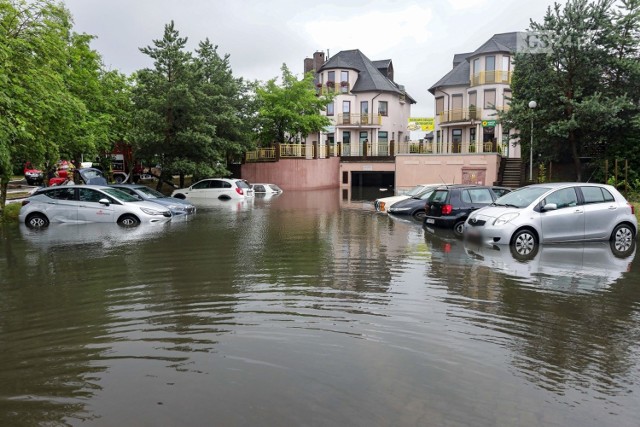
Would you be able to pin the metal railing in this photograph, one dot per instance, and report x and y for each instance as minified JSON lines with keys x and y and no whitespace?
{"x":261,"y":155}
{"x":489,"y":77}
{"x":460,"y":115}
{"x":359,"y":119}
{"x":296,"y":150}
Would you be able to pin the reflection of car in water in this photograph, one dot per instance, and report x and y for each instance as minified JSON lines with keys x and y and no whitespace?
{"x":96,"y":235}
{"x":569,"y":267}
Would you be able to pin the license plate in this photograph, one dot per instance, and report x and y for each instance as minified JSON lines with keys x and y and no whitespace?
{"x":431,"y":221}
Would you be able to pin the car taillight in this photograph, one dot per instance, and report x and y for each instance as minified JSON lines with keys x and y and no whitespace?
{"x":633,"y":208}
{"x":446,"y":209}
{"x":25,"y":202}
{"x":239,"y":191}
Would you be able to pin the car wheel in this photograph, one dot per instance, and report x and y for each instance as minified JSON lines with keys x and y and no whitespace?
{"x":622,"y":237}
{"x":224,"y":197}
{"x":128,"y":221}
{"x":180,"y":196}
{"x":458,"y":228}
{"x":37,"y":220}
{"x":420,"y":215}
{"x":524,"y":243}
{"x":119,"y":179}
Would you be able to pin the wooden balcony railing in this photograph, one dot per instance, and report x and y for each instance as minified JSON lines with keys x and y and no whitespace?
{"x":489,"y":77}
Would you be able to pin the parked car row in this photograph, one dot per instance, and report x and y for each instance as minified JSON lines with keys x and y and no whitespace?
{"x":129,"y":204}
{"x":523,"y":218}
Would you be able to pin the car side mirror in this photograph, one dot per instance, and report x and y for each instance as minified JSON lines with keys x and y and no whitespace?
{"x":550,"y":207}
{"x":105,"y":202}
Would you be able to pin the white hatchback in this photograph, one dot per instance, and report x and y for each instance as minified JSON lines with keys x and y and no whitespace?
{"x":79,"y":204}
{"x":215,"y":188}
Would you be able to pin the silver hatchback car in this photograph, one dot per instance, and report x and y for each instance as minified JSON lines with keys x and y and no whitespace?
{"x":79,"y":204}
{"x":557,"y":212}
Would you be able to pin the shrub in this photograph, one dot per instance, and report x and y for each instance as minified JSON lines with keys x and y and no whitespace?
{"x":10,"y":213}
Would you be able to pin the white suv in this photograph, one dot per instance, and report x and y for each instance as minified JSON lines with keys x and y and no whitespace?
{"x":215,"y":188}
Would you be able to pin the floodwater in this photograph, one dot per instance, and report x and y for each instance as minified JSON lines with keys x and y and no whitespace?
{"x":305,"y":310}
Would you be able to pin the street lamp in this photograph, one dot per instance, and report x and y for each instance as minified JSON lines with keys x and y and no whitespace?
{"x":532,"y":106}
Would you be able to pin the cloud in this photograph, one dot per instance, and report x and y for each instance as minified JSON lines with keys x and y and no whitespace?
{"x":466,"y":4}
{"x":374,"y":31}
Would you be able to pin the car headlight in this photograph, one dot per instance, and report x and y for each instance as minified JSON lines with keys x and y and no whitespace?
{"x":177,"y":207}
{"x":151,"y":211}
{"x":503,"y":219}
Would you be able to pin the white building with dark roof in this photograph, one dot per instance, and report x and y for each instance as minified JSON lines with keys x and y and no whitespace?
{"x":370,"y":110}
{"x":469,"y":96}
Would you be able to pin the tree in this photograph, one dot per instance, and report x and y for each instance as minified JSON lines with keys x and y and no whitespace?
{"x":292,"y":110}
{"x":571,"y":80}
{"x":187,"y":114}
{"x":34,"y":104}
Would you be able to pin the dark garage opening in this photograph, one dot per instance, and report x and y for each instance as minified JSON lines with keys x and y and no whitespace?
{"x":371,"y":185}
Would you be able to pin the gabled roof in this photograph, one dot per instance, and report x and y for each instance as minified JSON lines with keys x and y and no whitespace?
{"x":459,"y":75}
{"x":370,"y":79}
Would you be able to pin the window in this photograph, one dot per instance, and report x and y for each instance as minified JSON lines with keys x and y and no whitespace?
{"x":200,"y":185}
{"x":596,"y":195}
{"x":564,"y":198}
{"x":331,"y":76}
{"x":456,"y":136}
{"x":383,"y":136}
{"x":439,"y":105}
{"x":259,"y":188}
{"x":330,"y":109}
{"x":330,"y":138}
{"x":364,"y":107}
{"x":506,"y":97}
{"x":490,"y":69}
{"x":364,"y":136}
{"x":61,"y":194}
{"x":346,"y":112}
{"x":346,"y":137}
{"x":89,"y":195}
{"x":477,"y":195}
{"x":473,"y":99}
{"x":490,"y":99}
{"x":506,"y":63}
{"x":472,"y":135}
{"x":382,"y":108}
{"x":344,"y":76}
{"x":476,"y":66}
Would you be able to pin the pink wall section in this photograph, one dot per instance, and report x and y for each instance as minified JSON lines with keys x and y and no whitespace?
{"x":295,"y":174}
{"x":420,"y":169}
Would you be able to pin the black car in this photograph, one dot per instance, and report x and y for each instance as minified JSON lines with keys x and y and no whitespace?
{"x":414,"y":206}
{"x":449,"y":206}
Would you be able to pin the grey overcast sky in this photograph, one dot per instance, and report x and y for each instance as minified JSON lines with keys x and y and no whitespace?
{"x":420,"y":37}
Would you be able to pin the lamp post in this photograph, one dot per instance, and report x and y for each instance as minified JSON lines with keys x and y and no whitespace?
{"x":532,"y":106}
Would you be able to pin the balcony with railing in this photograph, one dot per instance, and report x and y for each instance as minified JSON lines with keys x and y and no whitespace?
{"x":332,"y":87}
{"x":491,"y":77}
{"x":359,"y":120}
{"x":459,"y":115}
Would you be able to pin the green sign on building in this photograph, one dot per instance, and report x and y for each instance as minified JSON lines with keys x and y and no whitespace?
{"x":489,"y":123}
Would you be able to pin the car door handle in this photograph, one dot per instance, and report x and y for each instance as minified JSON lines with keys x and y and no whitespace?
{"x":612,"y":208}
{"x":578,"y":211}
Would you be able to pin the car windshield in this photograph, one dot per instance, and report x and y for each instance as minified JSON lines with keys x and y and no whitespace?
{"x":242,"y":184}
{"x":275,"y":187}
{"x":439,"y":196}
{"x":522,"y":197}
{"x":425,"y":195}
{"x":120,"y":195}
{"x":415,"y":191}
{"x":150,"y":193}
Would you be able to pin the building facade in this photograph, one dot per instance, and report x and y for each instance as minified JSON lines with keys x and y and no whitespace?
{"x":469,"y":97}
{"x":369,"y":110}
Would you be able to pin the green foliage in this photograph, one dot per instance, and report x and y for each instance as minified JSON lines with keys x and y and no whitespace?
{"x":55,"y":97}
{"x":586,"y":84}
{"x":188,"y":110}
{"x":10,"y":212}
{"x":291,"y":111}
{"x":542,"y":173}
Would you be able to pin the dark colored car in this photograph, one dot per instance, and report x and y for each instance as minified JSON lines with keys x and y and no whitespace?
{"x":449,"y":206}
{"x":414,"y":206}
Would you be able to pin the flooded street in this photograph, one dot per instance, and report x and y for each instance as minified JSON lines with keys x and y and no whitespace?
{"x":303,"y":310}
